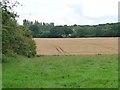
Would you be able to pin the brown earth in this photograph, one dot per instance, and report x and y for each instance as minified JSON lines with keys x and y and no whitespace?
{"x":76,"y":46}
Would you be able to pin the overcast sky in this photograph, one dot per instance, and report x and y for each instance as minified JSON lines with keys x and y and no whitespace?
{"x":61,"y":12}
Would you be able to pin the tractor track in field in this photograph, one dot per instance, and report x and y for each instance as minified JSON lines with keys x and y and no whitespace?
{"x":60,"y":50}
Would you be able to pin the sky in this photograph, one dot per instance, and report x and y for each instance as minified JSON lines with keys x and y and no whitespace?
{"x":70,"y":12}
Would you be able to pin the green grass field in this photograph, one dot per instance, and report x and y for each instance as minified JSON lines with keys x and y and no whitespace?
{"x":0,"y":76}
{"x":100,"y":71}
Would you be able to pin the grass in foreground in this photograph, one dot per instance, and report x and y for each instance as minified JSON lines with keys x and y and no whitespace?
{"x":0,"y":75}
{"x":100,"y":71}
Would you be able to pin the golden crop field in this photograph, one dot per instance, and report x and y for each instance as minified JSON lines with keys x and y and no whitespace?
{"x":76,"y":46}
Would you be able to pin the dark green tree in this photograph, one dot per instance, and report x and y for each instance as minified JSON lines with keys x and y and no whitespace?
{"x":67,"y":31}
{"x":56,"y":32}
{"x":35,"y":31}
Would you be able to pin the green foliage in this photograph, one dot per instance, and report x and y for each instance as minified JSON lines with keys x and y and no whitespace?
{"x":67,"y":31}
{"x":16,"y":39}
{"x":38,"y":29}
{"x":35,"y":30}
{"x":57,"y":32}
{"x":46,"y":30}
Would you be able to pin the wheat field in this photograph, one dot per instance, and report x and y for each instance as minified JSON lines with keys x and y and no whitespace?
{"x":76,"y":46}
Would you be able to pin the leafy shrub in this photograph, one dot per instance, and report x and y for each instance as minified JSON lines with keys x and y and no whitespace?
{"x":16,"y":39}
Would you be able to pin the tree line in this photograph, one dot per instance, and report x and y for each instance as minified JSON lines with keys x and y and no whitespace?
{"x":49,"y":30}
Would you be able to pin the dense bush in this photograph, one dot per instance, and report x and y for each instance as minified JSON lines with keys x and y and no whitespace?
{"x":16,"y":39}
